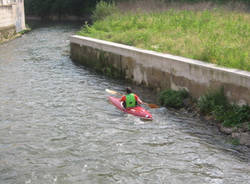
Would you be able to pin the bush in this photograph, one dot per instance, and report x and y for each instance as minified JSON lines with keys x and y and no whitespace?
{"x":103,"y":9}
{"x":233,"y":116}
{"x":230,"y":115}
{"x":212,"y":100}
{"x":172,"y":98}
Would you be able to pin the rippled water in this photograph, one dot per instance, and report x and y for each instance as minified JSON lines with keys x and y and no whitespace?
{"x":56,"y":126}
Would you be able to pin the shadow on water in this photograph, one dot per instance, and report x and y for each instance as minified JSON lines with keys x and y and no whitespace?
{"x":35,"y":24}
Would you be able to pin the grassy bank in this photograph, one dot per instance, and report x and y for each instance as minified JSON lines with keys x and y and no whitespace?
{"x":214,"y":104}
{"x":216,"y":35}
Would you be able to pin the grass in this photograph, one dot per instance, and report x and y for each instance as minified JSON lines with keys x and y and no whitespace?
{"x":215,"y":36}
{"x":173,"y":98}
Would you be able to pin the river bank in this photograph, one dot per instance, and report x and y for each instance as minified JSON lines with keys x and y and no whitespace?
{"x":239,"y":133}
{"x":159,"y":72}
{"x":178,"y":31}
{"x":215,"y":35}
{"x":9,"y":33}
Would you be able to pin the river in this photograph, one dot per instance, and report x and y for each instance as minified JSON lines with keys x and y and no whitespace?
{"x":57,"y":127}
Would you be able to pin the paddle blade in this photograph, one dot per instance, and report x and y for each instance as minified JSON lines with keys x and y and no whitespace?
{"x":112,"y":92}
{"x":152,"y":106}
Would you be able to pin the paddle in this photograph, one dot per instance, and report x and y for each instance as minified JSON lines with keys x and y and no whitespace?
{"x":116,"y":93}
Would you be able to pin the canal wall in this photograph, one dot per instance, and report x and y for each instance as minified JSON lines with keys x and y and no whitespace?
{"x":160,"y":71}
{"x":12,"y":18}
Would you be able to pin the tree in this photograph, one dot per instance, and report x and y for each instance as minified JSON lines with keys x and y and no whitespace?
{"x":46,"y":8}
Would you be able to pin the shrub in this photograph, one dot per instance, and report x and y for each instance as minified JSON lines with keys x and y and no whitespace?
{"x":230,"y":115}
{"x":103,"y":9}
{"x":213,"y":100}
{"x":172,"y":98}
{"x":233,"y":116}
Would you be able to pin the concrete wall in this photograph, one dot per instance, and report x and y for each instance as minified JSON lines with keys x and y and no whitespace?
{"x":6,"y":16}
{"x":161,"y":71}
{"x":18,"y":9}
{"x":12,"y":13}
{"x":7,"y":32}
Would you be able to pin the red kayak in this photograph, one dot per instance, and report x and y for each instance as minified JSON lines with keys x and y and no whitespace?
{"x":136,"y":111}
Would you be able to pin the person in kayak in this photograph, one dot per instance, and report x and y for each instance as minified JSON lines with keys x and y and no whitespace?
{"x":130,"y":99}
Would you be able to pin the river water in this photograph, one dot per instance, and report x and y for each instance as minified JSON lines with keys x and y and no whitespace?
{"x":57,"y":127}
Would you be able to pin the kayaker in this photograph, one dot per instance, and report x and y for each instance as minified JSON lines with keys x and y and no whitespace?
{"x":130,"y":99}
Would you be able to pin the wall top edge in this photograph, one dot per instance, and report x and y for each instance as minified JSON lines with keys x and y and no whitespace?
{"x":6,"y":5}
{"x":9,"y":2}
{"x":77,"y":39}
{"x":12,"y":26}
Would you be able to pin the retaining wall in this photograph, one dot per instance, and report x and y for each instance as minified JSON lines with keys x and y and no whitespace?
{"x":160,"y":71}
{"x":7,"y":32}
{"x":12,"y":14}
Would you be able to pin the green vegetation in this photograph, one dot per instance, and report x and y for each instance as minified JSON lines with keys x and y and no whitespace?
{"x":102,"y":10}
{"x":213,"y":103}
{"x":230,"y":115}
{"x":173,"y":98}
{"x":216,"y":36}
{"x":28,"y":29}
{"x":234,"y":141}
{"x":212,"y":100}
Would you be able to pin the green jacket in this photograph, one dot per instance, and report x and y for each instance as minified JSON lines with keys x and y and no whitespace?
{"x":130,"y":100}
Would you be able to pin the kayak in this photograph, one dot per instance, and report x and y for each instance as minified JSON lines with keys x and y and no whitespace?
{"x":136,"y":111}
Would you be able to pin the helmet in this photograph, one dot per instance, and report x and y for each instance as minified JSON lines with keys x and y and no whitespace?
{"x":128,"y":90}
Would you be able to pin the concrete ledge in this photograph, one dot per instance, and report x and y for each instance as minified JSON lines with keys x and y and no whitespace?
{"x":6,"y":28}
{"x":160,"y":71}
{"x":6,"y":5}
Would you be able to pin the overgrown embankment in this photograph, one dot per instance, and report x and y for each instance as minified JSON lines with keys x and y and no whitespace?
{"x":214,"y":35}
{"x":232,"y":119}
